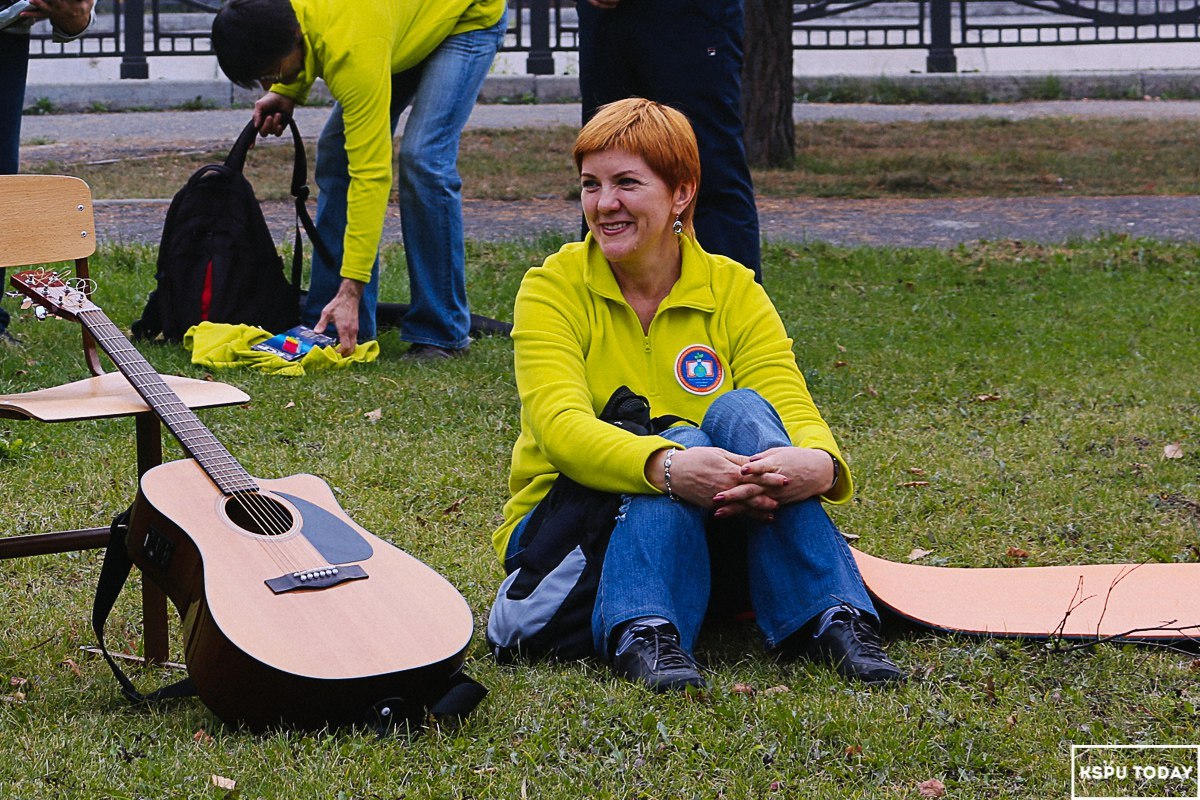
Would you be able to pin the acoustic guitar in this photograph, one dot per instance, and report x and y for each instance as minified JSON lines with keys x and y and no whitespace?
{"x":292,"y":613}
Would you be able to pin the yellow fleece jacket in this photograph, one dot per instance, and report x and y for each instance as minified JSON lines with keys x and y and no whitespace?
{"x":576,"y":340}
{"x":356,"y":48}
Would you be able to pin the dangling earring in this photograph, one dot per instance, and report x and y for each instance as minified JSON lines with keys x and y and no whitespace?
{"x":677,"y":226}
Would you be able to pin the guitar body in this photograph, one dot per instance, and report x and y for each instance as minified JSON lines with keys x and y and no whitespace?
{"x":292,"y":614}
{"x":316,"y":647}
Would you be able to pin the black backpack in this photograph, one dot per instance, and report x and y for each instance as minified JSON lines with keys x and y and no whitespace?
{"x":217,"y":260}
{"x":544,"y":607}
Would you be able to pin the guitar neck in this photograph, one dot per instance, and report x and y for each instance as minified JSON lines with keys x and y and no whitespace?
{"x":197,"y":440}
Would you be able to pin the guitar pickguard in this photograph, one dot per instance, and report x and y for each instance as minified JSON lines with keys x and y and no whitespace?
{"x":337,"y":542}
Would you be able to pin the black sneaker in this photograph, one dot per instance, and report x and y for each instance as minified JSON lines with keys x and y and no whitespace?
{"x":431,"y":352}
{"x":648,"y":651}
{"x":846,"y":638}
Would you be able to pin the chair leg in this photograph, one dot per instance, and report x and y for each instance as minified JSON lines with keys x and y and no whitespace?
{"x":154,"y":623}
{"x":154,"y":602}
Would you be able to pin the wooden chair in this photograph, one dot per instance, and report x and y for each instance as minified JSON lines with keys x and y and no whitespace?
{"x":48,"y":219}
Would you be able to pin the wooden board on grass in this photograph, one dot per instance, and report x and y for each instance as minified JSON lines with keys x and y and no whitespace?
{"x":1135,"y":602}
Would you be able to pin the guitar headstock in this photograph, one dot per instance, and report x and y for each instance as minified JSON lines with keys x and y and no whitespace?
{"x":59,"y":294}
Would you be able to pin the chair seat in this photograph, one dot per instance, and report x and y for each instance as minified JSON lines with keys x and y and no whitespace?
{"x":111,"y":395}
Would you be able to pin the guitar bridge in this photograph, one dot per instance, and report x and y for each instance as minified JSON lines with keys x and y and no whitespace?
{"x":321,"y":578}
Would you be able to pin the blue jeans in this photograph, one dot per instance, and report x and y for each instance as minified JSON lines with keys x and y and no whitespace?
{"x":14,"y":65}
{"x":442,"y":90}
{"x":660,"y":559}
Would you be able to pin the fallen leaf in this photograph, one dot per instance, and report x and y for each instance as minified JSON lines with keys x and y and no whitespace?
{"x":775,"y":690}
{"x":912,"y":484}
{"x":932,"y":788}
{"x":291,"y":404}
{"x":918,"y":554}
{"x":71,"y":665}
{"x":15,"y":697}
{"x":872,"y":391}
{"x":840,"y":363}
{"x":776,"y":786}
{"x":15,"y":681}
{"x":850,"y":537}
{"x":1016,"y":552}
{"x":853,"y":750}
{"x":915,"y":471}
{"x":1173,"y":450}
{"x":743,"y":688}
{"x":374,"y":416}
{"x":224,"y":783}
{"x":201,"y":737}
{"x":986,"y":398}
{"x":453,"y":508}
{"x":841,"y":348}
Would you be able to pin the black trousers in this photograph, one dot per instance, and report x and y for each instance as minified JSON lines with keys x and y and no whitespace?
{"x":14,"y":63}
{"x":686,"y":54}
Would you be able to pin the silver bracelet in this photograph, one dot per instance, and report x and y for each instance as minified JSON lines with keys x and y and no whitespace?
{"x":667,"y":474}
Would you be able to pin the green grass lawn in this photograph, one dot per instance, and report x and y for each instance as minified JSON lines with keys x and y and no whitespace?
{"x":1033,"y":388}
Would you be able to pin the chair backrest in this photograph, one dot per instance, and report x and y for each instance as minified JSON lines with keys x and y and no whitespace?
{"x":46,"y":219}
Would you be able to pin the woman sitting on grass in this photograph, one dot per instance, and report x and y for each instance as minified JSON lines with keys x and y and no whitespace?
{"x":638,"y":303}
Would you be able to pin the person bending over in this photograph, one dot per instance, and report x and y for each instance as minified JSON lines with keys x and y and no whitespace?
{"x":376,"y":59}
{"x":638,"y":303}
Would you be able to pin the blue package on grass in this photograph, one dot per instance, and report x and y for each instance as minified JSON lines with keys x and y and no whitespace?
{"x":294,"y":344}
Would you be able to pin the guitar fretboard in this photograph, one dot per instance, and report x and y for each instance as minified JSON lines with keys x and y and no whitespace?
{"x":197,"y":440}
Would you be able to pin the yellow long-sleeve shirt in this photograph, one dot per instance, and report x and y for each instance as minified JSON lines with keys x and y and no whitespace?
{"x":356,"y":48}
{"x":577,"y":340}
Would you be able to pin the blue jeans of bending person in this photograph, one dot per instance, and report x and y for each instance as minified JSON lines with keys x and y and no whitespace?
{"x":442,"y":90}
{"x":659,"y":560}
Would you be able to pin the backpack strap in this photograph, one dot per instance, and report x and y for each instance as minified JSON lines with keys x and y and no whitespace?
{"x":113,"y":574}
{"x":236,"y":160}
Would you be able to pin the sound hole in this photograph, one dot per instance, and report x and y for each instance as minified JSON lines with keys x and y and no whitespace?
{"x":258,"y":514}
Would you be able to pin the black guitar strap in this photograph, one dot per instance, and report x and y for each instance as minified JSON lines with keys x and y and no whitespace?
{"x":113,"y":574}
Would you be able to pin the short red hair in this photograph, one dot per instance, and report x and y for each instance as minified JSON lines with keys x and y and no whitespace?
{"x":659,"y":134}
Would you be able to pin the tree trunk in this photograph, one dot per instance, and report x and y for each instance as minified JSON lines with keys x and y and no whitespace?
{"x":767,"y":84}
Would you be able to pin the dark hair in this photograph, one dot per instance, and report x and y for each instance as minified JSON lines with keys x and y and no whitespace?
{"x":251,"y":36}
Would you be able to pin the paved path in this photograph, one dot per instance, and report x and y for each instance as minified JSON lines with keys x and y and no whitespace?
{"x":939,"y":223}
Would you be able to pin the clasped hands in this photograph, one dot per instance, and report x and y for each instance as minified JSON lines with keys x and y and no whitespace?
{"x":732,"y":484}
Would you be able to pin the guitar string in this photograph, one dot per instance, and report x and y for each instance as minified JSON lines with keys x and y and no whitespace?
{"x":270,"y":518}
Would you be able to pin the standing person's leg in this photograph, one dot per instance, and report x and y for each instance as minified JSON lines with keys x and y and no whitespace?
{"x":605,"y":65}
{"x":14,"y":66}
{"x":431,"y":189}
{"x":689,"y":56}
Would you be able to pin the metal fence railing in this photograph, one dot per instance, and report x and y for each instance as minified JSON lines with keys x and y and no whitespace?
{"x":135,"y":30}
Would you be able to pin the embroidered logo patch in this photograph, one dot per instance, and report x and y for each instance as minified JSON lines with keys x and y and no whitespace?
{"x":698,"y":369}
